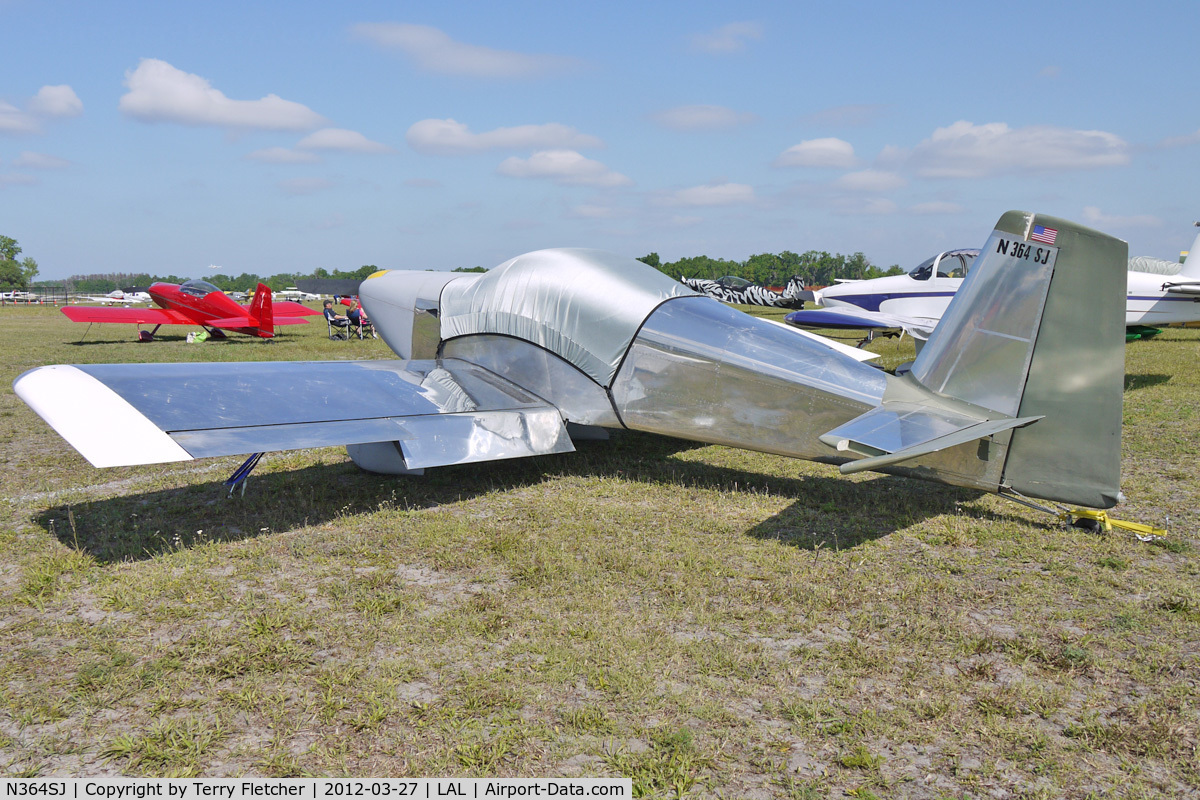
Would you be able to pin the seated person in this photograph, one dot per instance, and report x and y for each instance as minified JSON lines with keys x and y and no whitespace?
{"x":335,"y":319}
{"x":358,"y":317}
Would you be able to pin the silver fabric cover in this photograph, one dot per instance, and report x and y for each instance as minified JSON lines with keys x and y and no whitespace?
{"x":583,"y":305}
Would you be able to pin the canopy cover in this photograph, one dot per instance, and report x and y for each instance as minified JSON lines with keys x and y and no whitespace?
{"x":583,"y":305}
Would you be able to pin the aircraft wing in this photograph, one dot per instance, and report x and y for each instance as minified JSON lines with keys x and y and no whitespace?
{"x":843,"y":318}
{"x":437,"y":412}
{"x":140,"y":316}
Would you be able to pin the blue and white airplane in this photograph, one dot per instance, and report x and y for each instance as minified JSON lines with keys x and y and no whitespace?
{"x":914,"y":303}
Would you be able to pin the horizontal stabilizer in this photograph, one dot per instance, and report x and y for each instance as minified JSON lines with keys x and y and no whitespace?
{"x":287,"y":308}
{"x":901,"y":431}
{"x":441,"y":412}
{"x":247,"y":322}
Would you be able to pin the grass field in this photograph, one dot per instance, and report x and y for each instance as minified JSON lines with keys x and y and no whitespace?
{"x":707,"y":621}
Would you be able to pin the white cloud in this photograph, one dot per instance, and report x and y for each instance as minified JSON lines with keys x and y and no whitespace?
{"x":1174,"y":141}
{"x":33,"y":160}
{"x":870,"y":180}
{"x":448,"y":137}
{"x":50,"y":102}
{"x":701,"y":117}
{"x":341,"y":139}
{"x":434,"y":51}
{"x":1098,"y":219}
{"x":966,"y":150}
{"x":14,"y":120}
{"x":299,"y":186}
{"x":158,"y":92}
{"x":565,"y":167}
{"x":282,"y":155}
{"x":729,"y":38}
{"x":722,"y":194}
{"x":818,"y":153}
{"x":17,"y":179}
{"x":56,"y":101}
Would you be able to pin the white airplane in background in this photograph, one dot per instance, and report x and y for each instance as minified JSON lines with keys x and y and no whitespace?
{"x":914,"y":303}
{"x":292,"y":293}
{"x":119,"y":296}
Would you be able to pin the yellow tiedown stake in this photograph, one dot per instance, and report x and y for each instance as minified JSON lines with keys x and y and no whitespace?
{"x":1145,"y":533}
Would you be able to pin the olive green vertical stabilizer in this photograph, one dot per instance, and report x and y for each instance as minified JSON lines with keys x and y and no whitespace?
{"x":1076,"y":377}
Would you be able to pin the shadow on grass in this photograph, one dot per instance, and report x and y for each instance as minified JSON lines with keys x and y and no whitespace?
{"x":836,"y":514}
{"x":827,"y":512}
{"x":168,"y":338}
{"x":1133,"y":382}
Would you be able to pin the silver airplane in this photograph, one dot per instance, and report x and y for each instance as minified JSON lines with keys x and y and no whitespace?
{"x":1005,"y":397}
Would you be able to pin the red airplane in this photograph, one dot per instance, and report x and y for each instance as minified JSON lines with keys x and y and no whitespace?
{"x":200,"y":303}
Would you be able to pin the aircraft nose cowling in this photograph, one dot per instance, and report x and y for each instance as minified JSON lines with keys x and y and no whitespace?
{"x":404,"y":306}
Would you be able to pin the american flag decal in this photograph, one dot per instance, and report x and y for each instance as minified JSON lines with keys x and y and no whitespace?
{"x":1041,"y":233}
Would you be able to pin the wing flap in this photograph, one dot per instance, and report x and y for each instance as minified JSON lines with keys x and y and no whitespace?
{"x":442,"y":412}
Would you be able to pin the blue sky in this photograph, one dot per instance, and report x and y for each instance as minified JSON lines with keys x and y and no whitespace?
{"x":258,"y":137}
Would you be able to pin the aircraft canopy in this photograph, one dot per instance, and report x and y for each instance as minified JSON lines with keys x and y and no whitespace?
{"x":583,"y":305}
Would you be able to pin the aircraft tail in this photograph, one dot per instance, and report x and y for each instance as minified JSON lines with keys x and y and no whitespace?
{"x":1036,"y":333}
{"x":261,"y":311}
{"x":1191,"y":264}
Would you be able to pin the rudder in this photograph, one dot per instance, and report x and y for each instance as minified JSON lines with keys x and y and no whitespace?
{"x":261,"y":310}
{"x":1038,"y":331}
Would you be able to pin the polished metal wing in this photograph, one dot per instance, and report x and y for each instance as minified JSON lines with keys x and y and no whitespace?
{"x":440,"y":412}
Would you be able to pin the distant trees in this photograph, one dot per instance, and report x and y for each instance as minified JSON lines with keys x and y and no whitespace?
{"x":652,"y":259}
{"x":817,"y":267}
{"x":15,"y":274}
{"x":246,"y":282}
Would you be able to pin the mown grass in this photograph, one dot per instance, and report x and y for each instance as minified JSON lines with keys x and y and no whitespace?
{"x":705,"y":621}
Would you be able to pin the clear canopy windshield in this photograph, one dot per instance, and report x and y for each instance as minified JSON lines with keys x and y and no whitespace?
{"x":197,"y":288}
{"x":950,"y":264}
{"x":733,"y":281}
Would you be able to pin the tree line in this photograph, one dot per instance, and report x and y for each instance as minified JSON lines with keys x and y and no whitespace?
{"x":816,"y":267}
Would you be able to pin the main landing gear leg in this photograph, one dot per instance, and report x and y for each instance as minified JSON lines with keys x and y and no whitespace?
{"x":147,"y":336}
